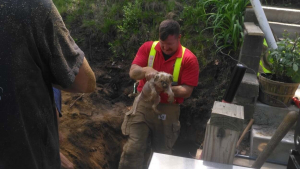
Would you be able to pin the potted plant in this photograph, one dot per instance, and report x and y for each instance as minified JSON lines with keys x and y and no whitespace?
{"x":278,"y":88}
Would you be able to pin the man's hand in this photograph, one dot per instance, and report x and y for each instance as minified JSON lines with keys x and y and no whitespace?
{"x":137,"y":72}
{"x":149,"y":72}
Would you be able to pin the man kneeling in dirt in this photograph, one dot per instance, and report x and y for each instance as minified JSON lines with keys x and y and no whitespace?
{"x":146,"y":125}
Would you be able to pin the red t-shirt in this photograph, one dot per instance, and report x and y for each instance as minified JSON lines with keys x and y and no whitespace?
{"x":189,"y":71}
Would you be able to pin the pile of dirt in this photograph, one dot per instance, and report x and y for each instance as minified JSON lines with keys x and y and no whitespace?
{"x":92,"y":125}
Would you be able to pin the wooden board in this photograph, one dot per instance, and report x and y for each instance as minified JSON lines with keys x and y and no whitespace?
{"x":252,"y":29}
{"x":229,"y":110}
{"x":222,"y":132}
{"x":216,"y":149}
{"x":228,"y":116}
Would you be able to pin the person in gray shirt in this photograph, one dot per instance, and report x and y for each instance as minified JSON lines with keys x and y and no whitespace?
{"x":36,"y":53}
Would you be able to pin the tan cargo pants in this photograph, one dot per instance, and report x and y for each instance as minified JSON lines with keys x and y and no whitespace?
{"x":161,"y":130}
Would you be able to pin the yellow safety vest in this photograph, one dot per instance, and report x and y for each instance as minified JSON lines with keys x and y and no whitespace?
{"x":177,"y":62}
{"x":265,"y":70}
{"x":262,"y":66}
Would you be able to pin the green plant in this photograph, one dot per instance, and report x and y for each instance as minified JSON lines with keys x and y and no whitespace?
{"x":226,"y":19}
{"x":119,"y":27}
{"x":140,"y":21}
{"x":285,"y":60}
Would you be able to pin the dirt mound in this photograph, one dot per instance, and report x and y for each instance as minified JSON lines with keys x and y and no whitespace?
{"x":93,"y":138}
{"x":92,"y":125}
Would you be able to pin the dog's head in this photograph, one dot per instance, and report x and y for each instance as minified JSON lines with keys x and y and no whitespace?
{"x":163,"y":80}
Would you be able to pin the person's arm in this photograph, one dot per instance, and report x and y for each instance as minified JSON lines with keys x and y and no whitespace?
{"x":183,"y":91}
{"x":69,"y":68}
{"x":85,"y":81}
{"x":137,"y":72}
{"x":189,"y":76}
{"x":65,"y":163}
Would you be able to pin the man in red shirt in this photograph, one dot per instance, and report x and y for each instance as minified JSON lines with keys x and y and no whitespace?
{"x":146,"y":126}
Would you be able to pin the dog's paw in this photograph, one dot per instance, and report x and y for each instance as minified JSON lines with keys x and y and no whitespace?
{"x":171,"y":98}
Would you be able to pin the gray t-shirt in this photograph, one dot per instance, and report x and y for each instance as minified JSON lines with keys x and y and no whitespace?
{"x":36,"y":51}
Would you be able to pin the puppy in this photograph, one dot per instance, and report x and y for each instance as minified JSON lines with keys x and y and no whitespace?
{"x":161,"y":81}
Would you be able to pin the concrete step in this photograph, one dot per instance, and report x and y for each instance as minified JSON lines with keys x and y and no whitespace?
{"x":279,"y":28}
{"x":280,"y":19}
{"x":249,"y":87}
{"x":245,"y":162}
{"x":266,"y":121}
{"x":260,"y":137}
{"x":270,"y":115}
{"x":283,"y":15}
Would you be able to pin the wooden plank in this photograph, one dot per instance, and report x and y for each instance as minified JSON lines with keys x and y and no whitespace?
{"x":227,"y":109}
{"x":219,"y":149}
{"x":222,"y":132}
{"x":252,"y":29}
{"x":229,"y":116}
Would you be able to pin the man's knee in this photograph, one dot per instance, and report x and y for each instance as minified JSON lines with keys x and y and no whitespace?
{"x":138,"y":139}
{"x":139,"y":132}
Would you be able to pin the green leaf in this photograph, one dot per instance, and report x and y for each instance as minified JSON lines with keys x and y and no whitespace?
{"x":296,"y":77}
{"x":295,"y":67}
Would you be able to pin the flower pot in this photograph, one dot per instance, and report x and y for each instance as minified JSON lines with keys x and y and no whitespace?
{"x":274,"y":93}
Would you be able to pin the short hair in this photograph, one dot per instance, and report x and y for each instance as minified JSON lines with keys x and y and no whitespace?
{"x":168,"y":27}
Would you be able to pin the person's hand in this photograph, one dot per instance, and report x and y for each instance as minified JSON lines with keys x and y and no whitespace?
{"x":65,"y":163}
{"x":61,"y":137}
{"x":149,"y":73}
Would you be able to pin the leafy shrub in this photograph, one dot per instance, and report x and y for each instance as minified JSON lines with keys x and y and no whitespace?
{"x":139,"y":24}
{"x":285,"y":60}
{"x":115,"y":29}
